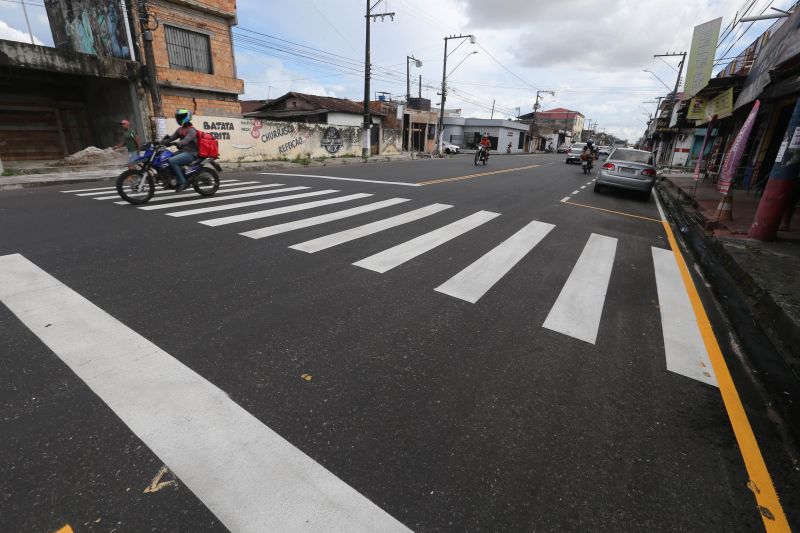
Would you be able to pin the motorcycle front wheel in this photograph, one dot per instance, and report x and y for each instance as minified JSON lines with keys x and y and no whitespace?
{"x":206,"y":182}
{"x":135,"y":186}
{"x":477,"y":157}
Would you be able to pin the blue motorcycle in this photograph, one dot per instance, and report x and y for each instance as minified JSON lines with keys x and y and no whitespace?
{"x":137,"y":184}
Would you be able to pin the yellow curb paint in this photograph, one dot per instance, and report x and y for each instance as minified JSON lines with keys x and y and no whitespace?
{"x":760,"y":482}
{"x":479,"y":174}
{"x":65,"y":529}
{"x":611,"y":211}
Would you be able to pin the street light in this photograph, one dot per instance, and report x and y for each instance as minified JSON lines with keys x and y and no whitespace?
{"x":659,"y":79}
{"x":464,"y":38}
{"x":418,"y":64}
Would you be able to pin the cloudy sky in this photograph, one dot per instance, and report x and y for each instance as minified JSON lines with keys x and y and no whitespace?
{"x":591,"y":54}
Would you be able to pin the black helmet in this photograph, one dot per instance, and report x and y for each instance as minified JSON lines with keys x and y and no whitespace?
{"x":183,"y":116}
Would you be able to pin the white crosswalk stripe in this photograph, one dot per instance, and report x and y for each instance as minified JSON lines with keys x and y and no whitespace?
{"x":250,"y":203}
{"x":578,"y":309}
{"x":323,"y":243}
{"x":92,"y":189}
{"x":281,"y":210}
{"x":109,"y":197}
{"x":246,"y":474}
{"x":321,"y":219}
{"x":194,"y":200}
{"x":193,"y":195}
{"x":397,"y":255}
{"x":168,"y":194}
{"x":474,"y":281}
{"x":685,"y":350}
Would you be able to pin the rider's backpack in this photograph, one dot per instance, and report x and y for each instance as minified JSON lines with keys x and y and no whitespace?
{"x":207,"y":145}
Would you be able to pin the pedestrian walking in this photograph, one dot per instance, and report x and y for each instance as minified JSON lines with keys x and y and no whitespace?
{"x":129,"y":141}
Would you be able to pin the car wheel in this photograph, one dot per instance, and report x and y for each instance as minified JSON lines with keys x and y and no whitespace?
{"x":597,"y":186}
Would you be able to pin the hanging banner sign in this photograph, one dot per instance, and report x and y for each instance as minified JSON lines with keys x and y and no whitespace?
{"x":736,"y":151}
{"x":701,"y":56}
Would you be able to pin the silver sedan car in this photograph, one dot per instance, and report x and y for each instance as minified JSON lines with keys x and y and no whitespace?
{"x":626,"y":168}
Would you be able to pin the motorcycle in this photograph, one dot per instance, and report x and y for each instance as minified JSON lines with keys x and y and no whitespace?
{"x":481,"y":155}
{"x":586,"y":164}
{"x":137,"y":185}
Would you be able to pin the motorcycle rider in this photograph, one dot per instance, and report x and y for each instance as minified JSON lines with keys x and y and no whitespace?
{"x":588,"y":153}
{"x":187,"y":146}
{"x":486,"y":144}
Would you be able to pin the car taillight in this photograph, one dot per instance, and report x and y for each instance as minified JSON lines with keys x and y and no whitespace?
{"x":609,"y":166}
{"x":649,"y":172}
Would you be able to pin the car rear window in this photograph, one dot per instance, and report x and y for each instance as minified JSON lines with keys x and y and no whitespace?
{"x":634,"y":156}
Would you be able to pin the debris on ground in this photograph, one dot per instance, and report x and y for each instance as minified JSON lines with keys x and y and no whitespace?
{"x":93,"y":156}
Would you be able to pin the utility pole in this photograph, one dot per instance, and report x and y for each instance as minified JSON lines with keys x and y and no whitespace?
{"x":440,"y":124}
{"x":678,"y":79}
{"x":367,"y":119}
{"x":420,"y":86}
{"x":533,"y":129}
{"x":27,"y":21}
{"x":492,"y":116}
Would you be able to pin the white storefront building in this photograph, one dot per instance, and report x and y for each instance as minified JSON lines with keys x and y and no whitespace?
{"x":467,"y":132}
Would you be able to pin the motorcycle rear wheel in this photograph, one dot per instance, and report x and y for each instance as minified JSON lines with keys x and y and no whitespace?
{"x":135,"y":186}
{"x":206,"y":182}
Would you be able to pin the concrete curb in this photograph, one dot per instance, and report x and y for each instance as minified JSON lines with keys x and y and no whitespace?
{"x":770,"y":336}
{"x":25,"y":181}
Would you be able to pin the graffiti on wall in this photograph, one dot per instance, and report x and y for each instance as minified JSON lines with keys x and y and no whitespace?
{"x":89,"y":27}
{"x":332,"y":140}
{"x":254,"y":139}
{"x":392,"y":141}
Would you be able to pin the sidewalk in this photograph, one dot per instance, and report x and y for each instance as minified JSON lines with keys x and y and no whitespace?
{"x":757,"y":281}
{"x":36,"y":175}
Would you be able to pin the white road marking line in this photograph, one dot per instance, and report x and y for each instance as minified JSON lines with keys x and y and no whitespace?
{"x":565,"y":199}
{"x":658,"y":204}
{"x":685,"y":351}
{"x":341,"y":179}
{"x":474,"y":281}
{"x":281,"y":210}
{"x":583,"y":186}
{"x":194,"y":195}
{"x":239,"y":205}
{"x":578,"y":309}
{"x":323,"y":243}
{"x":202,"y":200}
{"x":250,"y":477}
{"x":117,"y":196}
{"x":166,"y":194}
{"x":588,"y":183}
{"x":92,"y":189}
{"x":321,"y":219}
{"x":397,"y":255}
{"x":576,"y":191}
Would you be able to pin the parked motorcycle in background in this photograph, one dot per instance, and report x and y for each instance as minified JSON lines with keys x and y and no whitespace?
{"x":137,"y":185}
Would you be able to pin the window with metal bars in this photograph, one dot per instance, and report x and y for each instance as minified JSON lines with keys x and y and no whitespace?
{"x":188,"y":50}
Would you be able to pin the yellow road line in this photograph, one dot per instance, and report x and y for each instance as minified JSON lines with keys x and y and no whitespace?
{"x":615,"y":212}
{"x":760,"y":481}
{"x":65,"y":529}
{"x":479,"y":174}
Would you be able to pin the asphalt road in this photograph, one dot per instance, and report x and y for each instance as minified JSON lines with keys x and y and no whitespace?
{"x":291,"y":389}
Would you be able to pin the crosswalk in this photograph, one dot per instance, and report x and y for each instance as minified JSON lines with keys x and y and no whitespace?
{"x":576,"y":312}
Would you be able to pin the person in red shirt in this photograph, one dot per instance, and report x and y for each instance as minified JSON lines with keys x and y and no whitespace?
{"x":486,"y":143}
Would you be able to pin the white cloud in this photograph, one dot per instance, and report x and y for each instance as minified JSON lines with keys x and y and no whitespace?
{"x":12,"y":34}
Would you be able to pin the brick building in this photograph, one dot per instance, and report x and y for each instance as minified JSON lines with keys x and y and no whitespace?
{"x":193,"y":50}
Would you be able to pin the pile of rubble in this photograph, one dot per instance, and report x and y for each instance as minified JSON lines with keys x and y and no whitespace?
{"x":97,"y":156}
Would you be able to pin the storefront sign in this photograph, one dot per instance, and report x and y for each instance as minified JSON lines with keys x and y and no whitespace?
{"x":696,"y":108}
{"x":721,"y":106}
{"x":736,"y":151}
{"x":795,"y":142}
{"x":701,"y":56}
